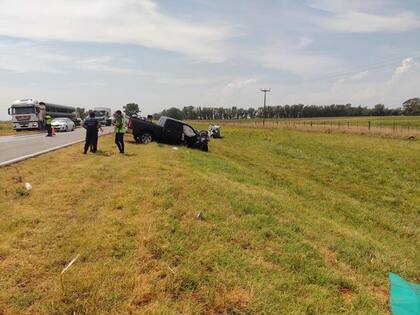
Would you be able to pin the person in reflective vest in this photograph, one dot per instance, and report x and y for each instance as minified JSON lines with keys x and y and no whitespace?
{"x":48,"y":121}
{"x":92,"y":127}
{"x":119,"y":129}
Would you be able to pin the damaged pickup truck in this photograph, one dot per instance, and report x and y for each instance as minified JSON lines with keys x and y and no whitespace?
{"x":169,"y":131}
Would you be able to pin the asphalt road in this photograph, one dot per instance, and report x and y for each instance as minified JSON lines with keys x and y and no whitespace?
{"x":14,"y":148}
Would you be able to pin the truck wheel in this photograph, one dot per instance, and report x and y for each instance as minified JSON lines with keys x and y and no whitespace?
{"x":146,"y":138}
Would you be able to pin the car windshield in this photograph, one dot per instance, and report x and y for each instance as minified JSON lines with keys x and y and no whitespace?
{"x":100,"y":113}
{"x":188,"y":131}
{"x":23,"y":110}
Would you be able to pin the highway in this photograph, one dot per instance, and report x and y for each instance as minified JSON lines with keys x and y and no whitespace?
{"x":19,"y":147}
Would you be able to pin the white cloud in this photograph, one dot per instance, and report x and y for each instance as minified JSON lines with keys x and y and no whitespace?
{"x":24,"y":57}
{"x":237,"y":89}
{"x":364,"y":89}
{"x":406,"y":65}
{"x":139,"y":22}
{"x":300,"y":63}
{"x":361,"y":22}
{"x":356,"y":77}
{"x":335,"y":6}
{"x":360,"y":16}
{"x":241,"y":83}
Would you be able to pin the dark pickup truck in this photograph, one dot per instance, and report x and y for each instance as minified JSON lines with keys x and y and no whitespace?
{"x":168,"y":130}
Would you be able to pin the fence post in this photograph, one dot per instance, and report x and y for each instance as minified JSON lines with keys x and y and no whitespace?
{"x":311,"y":123}
{"x":369,"y":124}
{"x":348,"y":125}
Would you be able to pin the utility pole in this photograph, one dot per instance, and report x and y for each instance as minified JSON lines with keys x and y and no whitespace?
{"x":265,"y":102}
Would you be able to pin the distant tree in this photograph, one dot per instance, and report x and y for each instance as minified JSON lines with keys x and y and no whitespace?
{"x":81,"y":112}
{"x":379,"y":110}
{"x":131,"y":109}
{"x":412,"y":107}
{"x":173,"y":112}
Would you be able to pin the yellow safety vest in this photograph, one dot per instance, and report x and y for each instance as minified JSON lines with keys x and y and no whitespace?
{"x":122,"y":129}
{"x":48,"y":120}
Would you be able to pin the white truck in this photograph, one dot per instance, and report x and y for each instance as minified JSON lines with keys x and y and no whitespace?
{"x":103,"y":115}
{"x":30,"y":113}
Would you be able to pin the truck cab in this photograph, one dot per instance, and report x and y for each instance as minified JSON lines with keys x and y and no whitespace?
{"x":27,"y":114}
{"x":103,"y":115}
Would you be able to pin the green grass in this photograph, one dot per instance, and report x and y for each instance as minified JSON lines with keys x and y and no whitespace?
{"x":294,"y":222}
{"x":395,"y":122}
{"x":376,"y":121}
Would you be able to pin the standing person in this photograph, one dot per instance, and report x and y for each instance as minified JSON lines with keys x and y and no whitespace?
{"x":119,"y":123}
{"x":92,"y":127}
{"x":48,"y":121}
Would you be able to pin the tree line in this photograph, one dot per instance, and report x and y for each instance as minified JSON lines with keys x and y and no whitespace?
{"x":409,"y":108}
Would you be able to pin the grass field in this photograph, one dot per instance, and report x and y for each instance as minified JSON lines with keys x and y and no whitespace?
{"x":375,"y":121}
{"x":386,"y":121}
{"x":294,"y":223}
{"x":7,"y":130}
{"x":395,"y":126}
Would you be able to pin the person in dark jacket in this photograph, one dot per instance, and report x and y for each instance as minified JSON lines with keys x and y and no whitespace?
{"x":92,"y":127}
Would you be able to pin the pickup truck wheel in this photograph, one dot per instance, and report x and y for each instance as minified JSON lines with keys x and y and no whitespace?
{"x":146,"y":138}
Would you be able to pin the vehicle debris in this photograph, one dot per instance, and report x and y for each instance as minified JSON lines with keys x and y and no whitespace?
{"x":200,"y":216}
{"x":214,"y":131}
{"x":28,"y":186}
{"x":65,"y":269}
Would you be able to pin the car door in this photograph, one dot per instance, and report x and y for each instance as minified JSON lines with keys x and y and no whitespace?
{"x":172,"y":132}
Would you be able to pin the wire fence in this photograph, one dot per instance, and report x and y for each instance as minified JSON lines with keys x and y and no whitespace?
{"x":386,"y":126}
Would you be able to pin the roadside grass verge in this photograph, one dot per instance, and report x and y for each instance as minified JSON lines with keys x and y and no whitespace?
{"x":294,"y":222}
{"x":7,"y":130}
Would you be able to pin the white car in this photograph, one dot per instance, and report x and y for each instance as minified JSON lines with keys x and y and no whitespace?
{"x":63,"y":124}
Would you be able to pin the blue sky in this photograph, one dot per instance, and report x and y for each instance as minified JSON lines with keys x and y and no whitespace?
{"x":209,"y":52}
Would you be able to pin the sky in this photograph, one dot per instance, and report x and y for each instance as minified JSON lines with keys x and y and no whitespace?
{"x":209,"y":52}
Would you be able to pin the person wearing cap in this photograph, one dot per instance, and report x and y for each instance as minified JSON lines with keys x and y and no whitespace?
{"x":119,"y":129}
{"x":92,"y":127}
{"x":48,"y":122}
